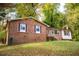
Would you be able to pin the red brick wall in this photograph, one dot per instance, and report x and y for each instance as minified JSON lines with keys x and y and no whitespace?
{"x":30,"y":35}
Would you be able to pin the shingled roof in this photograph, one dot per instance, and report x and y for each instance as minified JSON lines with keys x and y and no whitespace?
{"x":29,"y":18}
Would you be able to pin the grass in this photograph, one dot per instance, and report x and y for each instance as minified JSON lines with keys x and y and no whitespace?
{"x":51,"y":48}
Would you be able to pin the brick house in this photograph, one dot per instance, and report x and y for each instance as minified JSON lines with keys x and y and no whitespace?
{"x":31,"y":30}
{"x":26,"y":30}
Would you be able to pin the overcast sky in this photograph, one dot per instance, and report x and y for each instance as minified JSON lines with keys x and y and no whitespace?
{"x":61,"y":9}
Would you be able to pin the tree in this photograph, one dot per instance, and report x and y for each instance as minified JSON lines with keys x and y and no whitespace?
{"x":3,"y":8}
{"x":72,"y":14}
{"x":2,"y":16}
{"x":52,"y":16}
{"x":26,"y":10}
{"x":2,"y":30}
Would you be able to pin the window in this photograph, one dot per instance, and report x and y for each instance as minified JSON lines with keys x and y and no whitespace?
{"x":56,"y":32}
{"x":22,"y":27}
{"x":37,"y":29}
{"x":52,"y":32}
{"x":66,"y":33}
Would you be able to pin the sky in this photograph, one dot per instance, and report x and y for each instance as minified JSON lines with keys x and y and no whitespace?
{"x":39,"y":1}
{"x":61,"y":8}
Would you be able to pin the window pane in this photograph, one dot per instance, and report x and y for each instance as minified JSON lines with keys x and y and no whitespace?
{"x":56,"y":32}
{"x":22,"y":27}
{"x":66,"y":33}
{"x":37,"y":29}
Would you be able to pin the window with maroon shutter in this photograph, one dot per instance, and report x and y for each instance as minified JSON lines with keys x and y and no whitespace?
{"x":37,"y":29}
{"x":22,"y":27}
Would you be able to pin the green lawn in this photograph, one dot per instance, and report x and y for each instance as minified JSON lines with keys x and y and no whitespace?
{"x":42,"y":49}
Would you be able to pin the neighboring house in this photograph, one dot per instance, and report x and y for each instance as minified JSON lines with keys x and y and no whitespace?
{"x":54,"y":33}
{"x":26,"y":30}
{"x":64,"y":33}
{"x":31,"y":30}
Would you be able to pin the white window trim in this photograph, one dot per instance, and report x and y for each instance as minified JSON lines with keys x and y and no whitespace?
{"x":22,"y":24}
{"x":39,"y":29}
{"x":66,"y":36}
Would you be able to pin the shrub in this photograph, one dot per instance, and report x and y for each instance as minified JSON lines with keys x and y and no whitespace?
{"x":51,"y":39}
{"x":2,"y":35}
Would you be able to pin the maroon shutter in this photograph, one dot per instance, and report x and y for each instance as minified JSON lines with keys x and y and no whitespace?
{"x":26,"y":27}
{"x":19,"y":27}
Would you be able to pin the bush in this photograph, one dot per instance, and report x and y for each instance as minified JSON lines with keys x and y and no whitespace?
{"x":2,"y":35}
{"x":51,"y":39}
{"x":76,"y":35}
